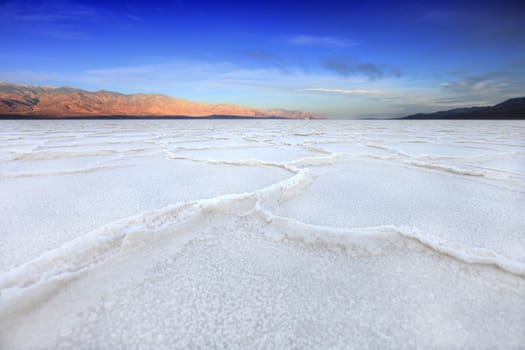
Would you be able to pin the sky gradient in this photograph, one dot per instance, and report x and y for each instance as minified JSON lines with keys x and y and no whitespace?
{"x":334,"y":58}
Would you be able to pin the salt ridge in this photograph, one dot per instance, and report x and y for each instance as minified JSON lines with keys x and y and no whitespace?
{"x":36,"y":280}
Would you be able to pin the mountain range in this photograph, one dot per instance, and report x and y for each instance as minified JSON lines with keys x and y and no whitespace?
{"x":20,"y":100}
{"x":30,"y":101}
{"x":510,"y":109}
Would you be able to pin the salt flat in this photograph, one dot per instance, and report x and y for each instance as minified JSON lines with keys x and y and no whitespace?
{"x":262,"y":233}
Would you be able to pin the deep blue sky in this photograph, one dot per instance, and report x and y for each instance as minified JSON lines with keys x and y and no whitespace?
{"x":336,"y":58}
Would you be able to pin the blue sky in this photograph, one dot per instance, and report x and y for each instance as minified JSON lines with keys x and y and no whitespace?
{"x":334,"y":58}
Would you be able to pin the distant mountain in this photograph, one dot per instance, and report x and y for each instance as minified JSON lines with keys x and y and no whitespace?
{"x":18,"y":100}
{"x":510,"y":109}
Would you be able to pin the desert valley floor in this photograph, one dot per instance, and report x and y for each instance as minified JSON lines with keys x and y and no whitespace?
{"x":278,"y":234}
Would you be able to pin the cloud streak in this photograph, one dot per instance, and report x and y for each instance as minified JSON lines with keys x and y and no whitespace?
{"x":501,"y":85}
{"x":326,"y":41}
{"x":47,"y":12}
{"x":180,"y":75}
{"x":264,"y":58}
{"x":348,"y":67}
{"x":343,"y":91}
{"x":474,"y":85}
{"x":59,"y":19}
{"x":53,"y":19}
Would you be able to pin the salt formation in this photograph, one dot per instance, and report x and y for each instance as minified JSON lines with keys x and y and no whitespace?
{"x":262,"y":234}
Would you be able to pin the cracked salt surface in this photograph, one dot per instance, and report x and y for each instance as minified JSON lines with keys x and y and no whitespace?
{"x":336,"y":237}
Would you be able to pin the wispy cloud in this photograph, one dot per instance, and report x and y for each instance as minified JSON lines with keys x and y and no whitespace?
{"x":55,"y":19}
{"x":452,"y":102}
{"x":478,"y":85}
{"x":32,"y":77}
{"x":493,"y":86}
{"x":51,"y":11}
{"x":179,"y":75}
{"x":135,"y":18}
{"x":264,"y":58}
{"x":347,"y":67}
{"x":60,"y":19}
{"x":343,"y":91}
{"x":327,"y":41}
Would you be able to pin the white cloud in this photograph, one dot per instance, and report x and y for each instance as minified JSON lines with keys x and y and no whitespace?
{"x":311,"y":40}
{"x":175,"y":76}
{"x":489,"y":88}
{"x":344,"y":91}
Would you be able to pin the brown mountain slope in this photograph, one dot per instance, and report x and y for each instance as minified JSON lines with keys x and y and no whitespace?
{"x":38,"y":101}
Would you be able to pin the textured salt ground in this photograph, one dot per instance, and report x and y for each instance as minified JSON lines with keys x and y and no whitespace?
{"x":64,"y":207}
{"x":233,"y":287}
{"x":451,"y":207}
{"x":514,"y":165}
{"x":24,"y":168}
{"x":263,"y":153}
{"x":237,"y":282}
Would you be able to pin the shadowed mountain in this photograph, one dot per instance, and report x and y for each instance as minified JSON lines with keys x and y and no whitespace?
{"x":510,"y":109}
{"x":18,"y":100}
